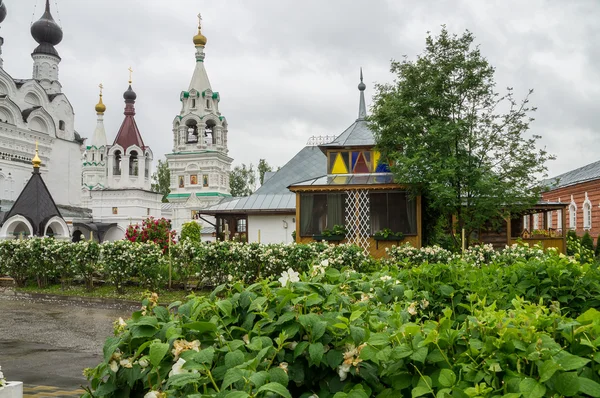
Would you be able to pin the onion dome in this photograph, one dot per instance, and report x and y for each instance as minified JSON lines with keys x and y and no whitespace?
{"x":36,"y":161}
{"x":100,"y":107}
{"x":129,"y":95}
{"x":47,"y":33}
{"x":2,"y":11}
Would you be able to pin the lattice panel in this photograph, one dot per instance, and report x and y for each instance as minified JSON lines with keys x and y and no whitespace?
{"x":358,"y":217}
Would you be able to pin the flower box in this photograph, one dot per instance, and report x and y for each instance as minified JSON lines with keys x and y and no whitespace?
{"x":389,"y":238}
{"x":12,"y":389}
{"x":328,"y":238}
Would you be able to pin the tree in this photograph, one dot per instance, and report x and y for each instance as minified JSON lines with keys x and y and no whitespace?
{"x":161,"y":179}
{"x":191,"y":230}
{"x":263,"y":167}
{"x":448,"y":133}
{"x":242,"y":180}
{"x":152,"y":230}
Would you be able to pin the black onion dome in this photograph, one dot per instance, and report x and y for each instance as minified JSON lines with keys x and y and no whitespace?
{"x":129,"y":94}
{"x":46,"y":48}
{"x":2,"y":11}
{"x":46,"y":30}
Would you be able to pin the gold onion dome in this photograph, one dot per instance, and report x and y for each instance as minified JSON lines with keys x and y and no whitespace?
{"x":36,"y":161}
{"x":100,"y":107}
{"x":200,"y":39}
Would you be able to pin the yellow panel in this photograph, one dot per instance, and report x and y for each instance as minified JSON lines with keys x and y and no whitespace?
{"x":339,"y":167}
{"x":376,"y":156}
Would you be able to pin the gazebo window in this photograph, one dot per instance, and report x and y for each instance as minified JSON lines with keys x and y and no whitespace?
{"x":393,"y":210}
{"x":241,"y":225}
{"x":587,"y":213}
{"x":572,"y":215}
{"x":117,"y":165}
{"x":133,"y":163}
{"x":559,"y":218}
{"x":319,"y":211}
{"x":549,"y":220}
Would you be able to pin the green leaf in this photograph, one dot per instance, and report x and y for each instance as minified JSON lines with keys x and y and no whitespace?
{"x":278,"y":375}
{"x":233,"y":359}
{"x":300,"y":348}
{"x":355,"y":315}
{"x":334,"y":358}
{"x":530,"y":388}
{"x":205,"y":356}
{"x":590,"y":315}
{"x":315,"y":352}
{"x":258,"y":379}
{"x":181,"y":380}
{"x":257,"y":303}
{"x":567,"y":383}
{"x":547,"y":370}
{"x":589,"y":387}
{"x":277,"y":389}
{"x":419,"y":391}
{"x":447,"y":378}
{"x":231,"y":376}
{"x":147,"y":321}
{"x":158,"y":352}
{"x":225,"y":306}
{"x":110,"y":346}
{"x":237,"y":394}
{"x":162,"y":313}
{"x":420,"y":354}
{"x":379,"y":339}
{"x":569,"y":361}
{"x":313,"y":299}
{"x":446,"y":290}
{"x":358,"y":334}
{"x":143,"y":331}
{"x":201,"y":327}
{"x":318,"y":330}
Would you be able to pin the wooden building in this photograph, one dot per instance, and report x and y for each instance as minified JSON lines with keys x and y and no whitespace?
{"x":358,"y":192}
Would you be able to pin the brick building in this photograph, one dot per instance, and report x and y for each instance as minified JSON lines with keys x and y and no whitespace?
{"x":580,"y":188}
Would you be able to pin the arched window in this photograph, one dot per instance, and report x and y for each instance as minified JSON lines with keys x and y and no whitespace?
{"x":209,"y":134}
{"x":61,"y":125}
{"x":192,"y":131}
{"x":117,"y":165}
{"x":147,"y":166}
{"x":193,"y":102}
{"x":587,"y":213}
{"x":133,"y":163}
{"x":572,"y":215}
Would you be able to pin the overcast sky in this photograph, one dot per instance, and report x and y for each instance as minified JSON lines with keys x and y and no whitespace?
{"x":287,"y":70}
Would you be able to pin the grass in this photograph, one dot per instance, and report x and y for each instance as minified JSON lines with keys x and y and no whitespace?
{"x":132,"y":293}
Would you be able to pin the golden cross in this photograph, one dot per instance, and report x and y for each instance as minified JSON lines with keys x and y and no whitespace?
{"x":101,"y":87}
{"x":199,"y":20}
{"x":130,"y":72}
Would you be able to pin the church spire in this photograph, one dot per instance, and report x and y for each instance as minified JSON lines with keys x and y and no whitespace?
{"x":47,"y":33}
{"x":362,"y":109}
{"x":99,"y":137}
{"x":129,"y":134}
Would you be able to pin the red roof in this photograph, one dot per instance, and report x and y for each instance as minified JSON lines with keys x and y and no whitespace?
{"x":129,"y":134}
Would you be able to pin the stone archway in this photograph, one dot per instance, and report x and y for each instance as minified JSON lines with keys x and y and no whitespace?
{"x":57,"y":227}
{"x":15,"y":227}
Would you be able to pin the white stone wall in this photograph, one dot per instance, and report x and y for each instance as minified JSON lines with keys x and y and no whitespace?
{"x":272,"y":228}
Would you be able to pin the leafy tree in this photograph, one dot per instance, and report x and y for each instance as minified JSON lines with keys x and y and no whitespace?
{"x":597,"y":252}
{"x":161,"y":179}
{"x":587,"y":241}
{"x":242,"y":180}
{"x":263,"y":167}
{"x":190,"y":230}
{"x":451,"y":136}
{"x":152,"y":230}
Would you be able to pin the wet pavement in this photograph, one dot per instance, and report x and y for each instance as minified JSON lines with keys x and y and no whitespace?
{"x":46,"y":343}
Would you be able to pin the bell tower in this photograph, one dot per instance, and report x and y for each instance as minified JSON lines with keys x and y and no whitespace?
{"x":199,"y":163}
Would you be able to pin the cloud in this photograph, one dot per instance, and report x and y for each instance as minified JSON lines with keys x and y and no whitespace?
{"x":288,"y":70}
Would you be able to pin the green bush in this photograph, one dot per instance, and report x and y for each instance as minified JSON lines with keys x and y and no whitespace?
{"x":587,"y":241}
{"x":597,"y":251}
{"x":191,"y":230}
{"x":394,"y":333}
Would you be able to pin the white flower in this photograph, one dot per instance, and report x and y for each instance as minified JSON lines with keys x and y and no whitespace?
{"x":114,"y":366}
{"x":152,"y":394}
{"x":178,"y":368}
{"x":412,"y":308}
{"x":313,"y":396}
{"x":122,"y":322}
{"x":385,"y":278}
{"x":324,"y":263}
{"x":229,"y":278}
{"x":343,"y":371}
{"x":144,"y":362}
{"x":289,"y":276}
{"x":126,"y":363}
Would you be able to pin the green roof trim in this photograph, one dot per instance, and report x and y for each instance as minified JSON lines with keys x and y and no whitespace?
{"x":218,"y":194}
{"x":186,"y":94}
{"x":94,"y":164}
{"x":215,"y":95}
{"x":178,"y":195}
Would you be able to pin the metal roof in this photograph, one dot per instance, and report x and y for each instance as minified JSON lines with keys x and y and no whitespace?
{"x":586,"y":173}
{"x":348,"y":179}
{"x":309,"y":163}
{"x":256,"y":203}
{"x":358,"y":134}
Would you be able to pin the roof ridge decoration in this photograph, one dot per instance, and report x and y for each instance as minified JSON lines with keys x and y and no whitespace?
{"x":129,"y":134}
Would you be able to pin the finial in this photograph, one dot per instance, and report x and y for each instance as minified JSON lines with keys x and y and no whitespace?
{"x":100,"y":107}
{"x":47,"y":5}
{"x":36,"y":161}
{"x":199,"y":39}
{"x":361,"y":85}
{"x":199,"y":20}
{"x":130,"y":73}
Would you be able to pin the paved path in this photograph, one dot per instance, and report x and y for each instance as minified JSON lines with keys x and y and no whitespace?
{"x":46,"y":344}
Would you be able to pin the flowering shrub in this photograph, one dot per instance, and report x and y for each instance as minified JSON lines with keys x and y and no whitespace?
{"x":152,"y":230}
{"x":2,"y":379}
{"x":409,"y":255}
{"x":86,"y":257}
{"x":340,"y":333}
{"x":118,"y":260}
{"x":15,"y":256}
